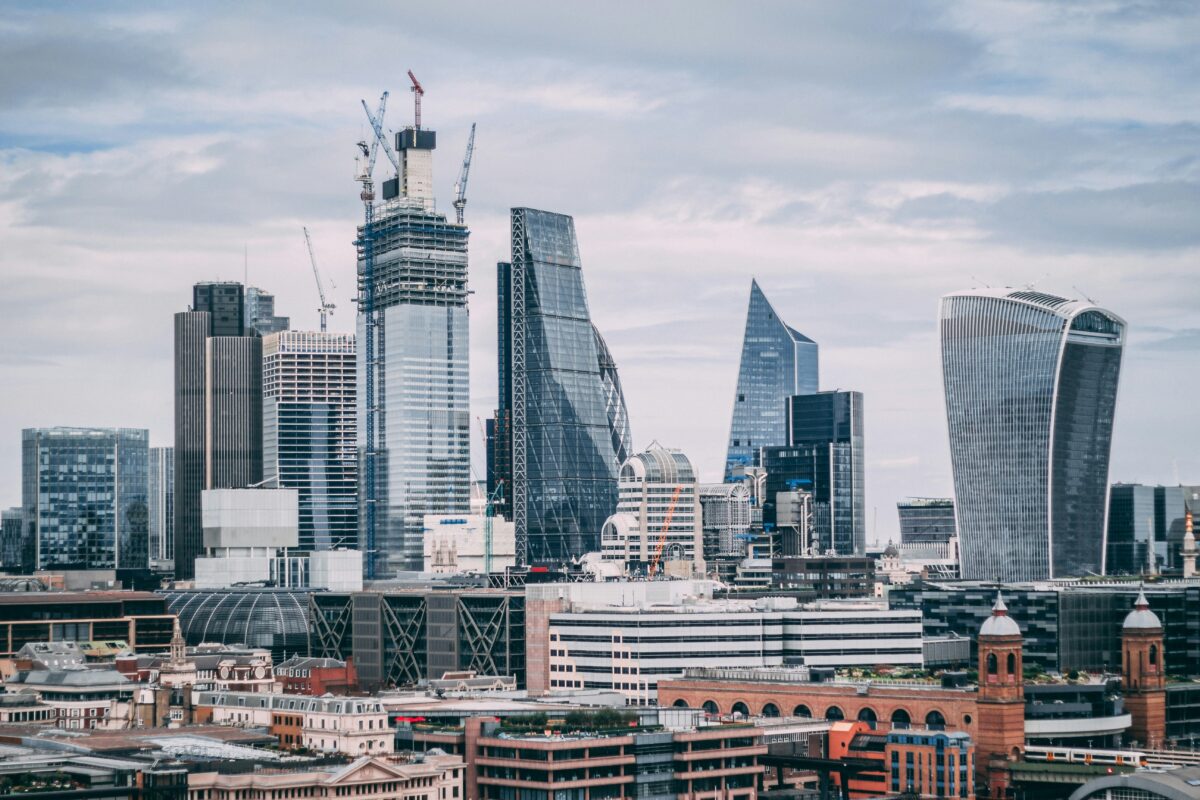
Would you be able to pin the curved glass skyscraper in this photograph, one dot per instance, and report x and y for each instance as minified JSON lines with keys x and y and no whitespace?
{"x":561,"y":430}
{"x":777,"y":362}
{"x":1031,"y":386}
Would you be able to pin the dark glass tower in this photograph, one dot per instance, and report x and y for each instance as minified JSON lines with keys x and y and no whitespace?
{"x":777,"y":362}
{"x":825,"y":457}
{"x":1031,"y":387}
{"x":85,"y":494}
{"x":218,"y":409}
{"x":561,"y":430}
{"x":926,"y":520}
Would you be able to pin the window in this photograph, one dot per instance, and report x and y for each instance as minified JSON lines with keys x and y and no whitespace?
{"x":1012,"y":664}
{"x":993,"y":664}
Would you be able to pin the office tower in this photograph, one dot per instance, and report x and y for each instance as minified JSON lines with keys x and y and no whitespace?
{"x":777,"y":362}
{"x":824,"y":456}
{"x":420,"y":372}
{"x":84,"y":492}
{"x":561,"y":429}
{"x":218,"y":409}
{"x":260,"y":313}
{"x":926,"y":520}
{"x":162,"y":507}
{"x":725,"y":515}
{"x":657,"y":526}
{"x":309,"y":431}
{"x":1144,"y":518}
{"x":1031,"y":386}
{"x":16,"y":546}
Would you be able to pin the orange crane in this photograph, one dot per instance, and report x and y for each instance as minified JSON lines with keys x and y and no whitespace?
{"x":662,"y":538}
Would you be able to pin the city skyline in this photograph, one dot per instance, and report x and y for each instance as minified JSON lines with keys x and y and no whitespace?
{"x":854,"y":213}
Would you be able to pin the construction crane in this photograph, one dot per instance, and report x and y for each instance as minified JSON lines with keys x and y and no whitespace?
{"x":376,"y":121}
{"x":366,"y":307}
{"x":662,"y":538}
{"x":460,"y":188}
{"x":326,"y":307}
{"x":418,"y":92}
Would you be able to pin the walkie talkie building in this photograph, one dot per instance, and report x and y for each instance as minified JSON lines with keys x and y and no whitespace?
{"x":1031,"y":387}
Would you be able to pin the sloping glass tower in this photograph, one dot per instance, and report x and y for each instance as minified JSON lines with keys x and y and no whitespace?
{"x":777,"y":362}
{"x":1031,"y":387}
{"x":561,"y":429}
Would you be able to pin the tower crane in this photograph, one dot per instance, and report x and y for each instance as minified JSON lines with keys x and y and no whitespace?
{"x":418,"y":92}
{"x":662,"y":538}
{"x":460,"y":188}
{"x":326,"y":307}
{"x":376,"y":121}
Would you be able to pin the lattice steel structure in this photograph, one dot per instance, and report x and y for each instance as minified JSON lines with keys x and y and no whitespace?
{"x":405,"y":638}
{"x":1031,"y":387}
{"x":276,"y":619}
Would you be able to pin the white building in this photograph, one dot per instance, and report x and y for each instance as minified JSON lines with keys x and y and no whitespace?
{"x":658,"y":524}
{"x":627,"y":636}
{"x":456,"y":543}
{"x":354,"y":726}
{"x":726,"y":518}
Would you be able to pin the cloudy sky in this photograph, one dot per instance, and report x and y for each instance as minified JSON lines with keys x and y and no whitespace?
{"x":860,"y":160}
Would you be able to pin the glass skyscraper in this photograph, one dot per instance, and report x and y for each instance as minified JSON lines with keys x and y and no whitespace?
{"x":422,"y":402}
{"x":260,"y":313}
{"x":777,"y":362}
{"x":84,"y":494}
{"x":1031,"y":387}
{"x":309,"y":431}
{"x":162,"y":507}
{"x":561,"y":429}
{"x":824,"y":456}
{"x":926,"y":520}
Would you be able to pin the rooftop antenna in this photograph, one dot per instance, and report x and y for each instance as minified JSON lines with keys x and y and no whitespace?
{"x":245,"y":265}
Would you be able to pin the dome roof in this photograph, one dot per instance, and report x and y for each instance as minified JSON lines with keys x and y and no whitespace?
{"x":1142,"y":618}
{"x":891,"y":549}
{"x":999,"y":623}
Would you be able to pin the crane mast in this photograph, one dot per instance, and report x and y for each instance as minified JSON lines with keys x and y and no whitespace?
{"x":418,"y":92}
{"x":460,"y":188}
{"x":326,"y":307}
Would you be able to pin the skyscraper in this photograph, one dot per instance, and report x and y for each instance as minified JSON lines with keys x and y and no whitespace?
{"x":260,"y":313}
{"x":824,"y":456}
{"x":926,"y":520}
{"x":16,"y":544}
{"x":309,"y":431}
{"x":84,"y":493}
{"x":777,"y":362}
{"x":162,"y":507}
{"x":561,"y":430}
{"x":421,"y":402}
{"x":218,"y":409}
{"x":1031,"y":387}
{"x":1142,"y":518}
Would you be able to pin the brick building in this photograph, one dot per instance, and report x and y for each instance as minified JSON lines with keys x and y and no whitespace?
{"x":316,"y":676}
{"x":915,"y":761}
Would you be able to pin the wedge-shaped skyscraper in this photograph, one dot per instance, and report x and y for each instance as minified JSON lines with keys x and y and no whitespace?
{"x":777,"y":362}
{"x":1031,"y":386}
{"x":561,"y":429}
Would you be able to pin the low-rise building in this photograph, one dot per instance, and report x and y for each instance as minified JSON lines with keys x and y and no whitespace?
{"x":366,"y":778}
{"x":914,"y":762}
{"x":25,"y":708}
{"x":316,"y":676}
{"x":139,"y":618}
{"x":353,"y":726}
{"x":82,"y":698}
{"x":456,"y":543}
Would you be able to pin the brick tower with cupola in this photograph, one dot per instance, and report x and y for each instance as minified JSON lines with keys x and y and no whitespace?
{"x":1143,"y":676}
{"x":1000,"y":728}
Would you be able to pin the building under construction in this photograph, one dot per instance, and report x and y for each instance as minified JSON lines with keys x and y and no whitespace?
{"x":412,"y":267}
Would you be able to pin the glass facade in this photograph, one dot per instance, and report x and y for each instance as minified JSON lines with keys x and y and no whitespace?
{"x":777,"y":362}
{"x":926,"y":520}
{"x":421,"y":377}
{"x":161,"y":503}
{"x":275,"y":619}
{"x":824,"y":456}
{"x":1030,"y":382}
{"x":569,"y":426}
{"x":85,"y":497}
{"x":16,"y":546}
{"x":260,"y":313}
{"x":309,"y":430}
